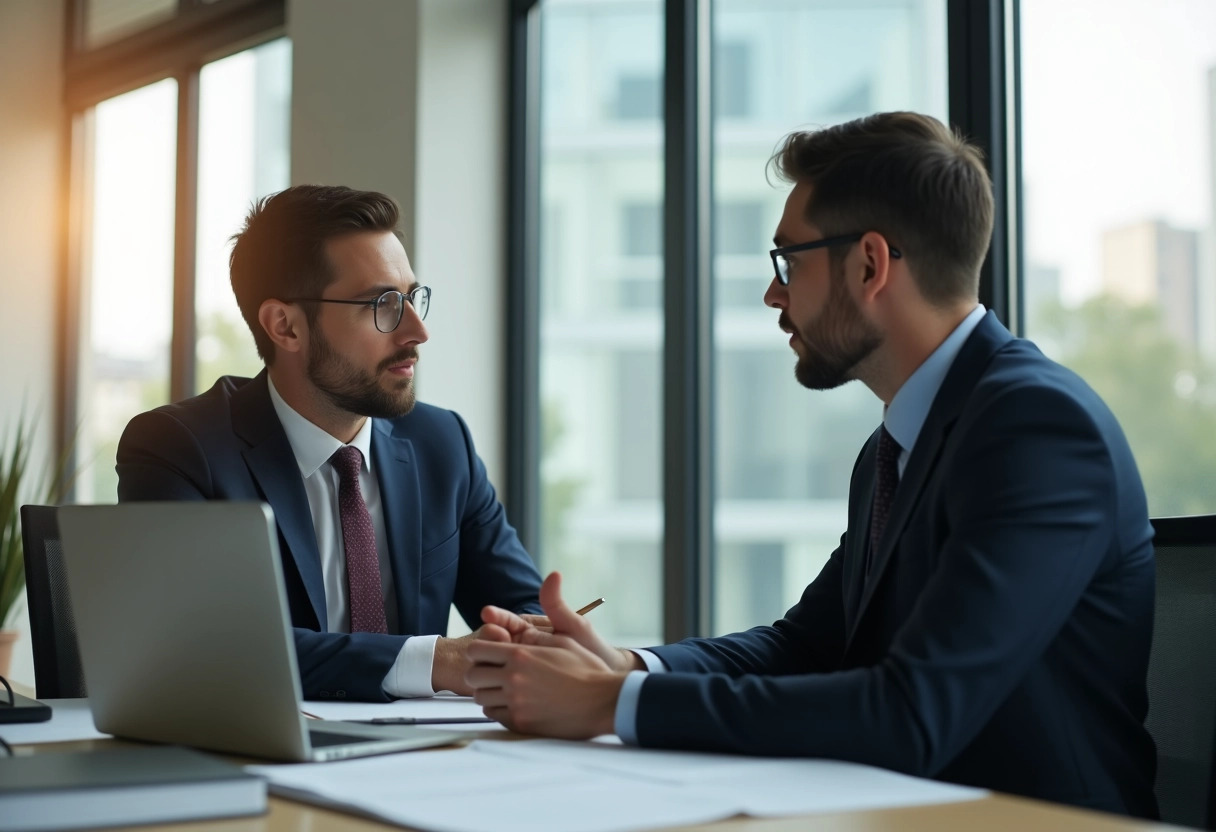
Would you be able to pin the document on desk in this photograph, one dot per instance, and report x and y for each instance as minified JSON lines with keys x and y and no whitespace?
{"x":443,"y":706}
{"x":758,"y":786}
{"x":543,"y":785}
{"x":472,"y":791}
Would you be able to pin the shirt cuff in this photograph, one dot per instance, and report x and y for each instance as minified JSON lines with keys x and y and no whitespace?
{"x":653,"y":663}
{"x":625,"y":723}
{"x":410,"y":675}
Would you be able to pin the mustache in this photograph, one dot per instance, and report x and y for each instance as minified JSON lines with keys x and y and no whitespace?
{"x":404,"y":355}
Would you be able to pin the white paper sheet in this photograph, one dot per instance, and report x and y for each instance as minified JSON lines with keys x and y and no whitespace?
{"x":438,"y":707}
{"x":470,"y":791}
{"x":70,"y":720}
{"x":550,"y":785}
{"x":761,"y":786}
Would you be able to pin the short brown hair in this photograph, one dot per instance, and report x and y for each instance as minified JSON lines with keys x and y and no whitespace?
{"x":280,"y":251}
{"x":908,"y":177}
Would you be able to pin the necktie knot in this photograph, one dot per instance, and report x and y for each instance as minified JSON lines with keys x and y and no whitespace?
{"x":347,"y":461}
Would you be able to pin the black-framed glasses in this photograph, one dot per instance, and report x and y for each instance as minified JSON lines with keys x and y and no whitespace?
{"x":389,"y":307}
{"x":781,"y":266}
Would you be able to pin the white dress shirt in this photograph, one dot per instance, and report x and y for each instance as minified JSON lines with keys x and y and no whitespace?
{"x":410,"y":675}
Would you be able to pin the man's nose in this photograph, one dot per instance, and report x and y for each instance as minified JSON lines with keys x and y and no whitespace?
{"x":776,"y":295}
{"x":411,"y":330}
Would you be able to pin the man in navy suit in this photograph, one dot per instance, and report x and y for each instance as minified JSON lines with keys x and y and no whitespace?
{"x":385,"y":514}
{"x":987,"y":616}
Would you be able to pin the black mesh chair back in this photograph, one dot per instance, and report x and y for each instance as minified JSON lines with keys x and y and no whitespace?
{"x":57,"y":671}
{"x":1182,"y":670}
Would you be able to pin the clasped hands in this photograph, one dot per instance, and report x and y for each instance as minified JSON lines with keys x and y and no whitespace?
{"x":553,"y":677}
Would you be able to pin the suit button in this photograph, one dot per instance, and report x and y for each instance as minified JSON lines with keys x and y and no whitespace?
{"x":324,"y":694}
{"x":341,"y":694}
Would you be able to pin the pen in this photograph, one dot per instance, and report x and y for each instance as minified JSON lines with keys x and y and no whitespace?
{"x":591,"y":606}
{"x":421,"y":720}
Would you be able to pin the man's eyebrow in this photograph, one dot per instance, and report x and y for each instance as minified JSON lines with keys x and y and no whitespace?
{"x":376,"y":291}
{"x":779,"y":241}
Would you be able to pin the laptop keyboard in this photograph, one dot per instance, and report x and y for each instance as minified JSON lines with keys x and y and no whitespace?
{"x":323,"y":739}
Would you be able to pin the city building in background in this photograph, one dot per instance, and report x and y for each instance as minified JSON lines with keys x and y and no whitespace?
{"x":1153,"y":263}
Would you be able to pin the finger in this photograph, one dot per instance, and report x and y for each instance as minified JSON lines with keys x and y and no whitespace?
{"x":564,"y":619}
{"x":541,"y":621}
{"x":481,"y":676}
{"x":490,"y":697}
{"x":492,"y":632}
{"x":499,"y":714}
{"x":497,"y":653}
{"x":543,"y":638}
{"x":506,"y":619}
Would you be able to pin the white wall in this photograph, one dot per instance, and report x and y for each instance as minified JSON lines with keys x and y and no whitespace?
{"x":31,"y":35}
{"x":408,"y":97}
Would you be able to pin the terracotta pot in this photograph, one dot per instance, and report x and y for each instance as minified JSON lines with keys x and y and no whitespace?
{"x":7,"y":639}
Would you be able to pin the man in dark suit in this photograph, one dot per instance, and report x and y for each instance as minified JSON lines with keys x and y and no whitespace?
{"x":385,"y":514}
{"x":987,"y":616}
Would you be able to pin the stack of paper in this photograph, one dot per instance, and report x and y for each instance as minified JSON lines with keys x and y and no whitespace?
{"x":542,"y":785}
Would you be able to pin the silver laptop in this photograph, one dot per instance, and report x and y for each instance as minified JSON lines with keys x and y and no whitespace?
{"x":185,"y":636}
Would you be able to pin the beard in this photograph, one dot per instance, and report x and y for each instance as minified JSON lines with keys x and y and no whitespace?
{"x":835,"y":342}
{"x":355,"y":390}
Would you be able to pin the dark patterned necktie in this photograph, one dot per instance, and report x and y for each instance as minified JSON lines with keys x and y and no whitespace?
{"x":886,"y":480}
{"x":359,"y":542}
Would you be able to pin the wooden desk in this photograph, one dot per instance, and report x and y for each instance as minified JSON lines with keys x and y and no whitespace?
{"x":999,"y":813}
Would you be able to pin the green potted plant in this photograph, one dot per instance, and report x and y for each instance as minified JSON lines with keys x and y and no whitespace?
{"x":16,"y":485}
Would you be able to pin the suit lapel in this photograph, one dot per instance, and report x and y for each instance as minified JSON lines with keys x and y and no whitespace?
{"x":272,"y":464}
{"x":989,"y":336}
{"x":400,"y":500}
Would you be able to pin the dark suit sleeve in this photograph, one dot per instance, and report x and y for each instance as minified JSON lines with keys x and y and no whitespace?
{"x":159,"y":458}
{"x":1030,"y":502}
{"x":810,"y":639}
{"x":494,"y":567}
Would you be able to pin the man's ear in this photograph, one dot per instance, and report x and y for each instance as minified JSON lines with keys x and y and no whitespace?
{"x":284,"y":324}
{"x":875,"y":264}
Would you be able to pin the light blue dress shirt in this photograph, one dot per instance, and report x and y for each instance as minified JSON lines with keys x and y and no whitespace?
{"x":904,"y":418}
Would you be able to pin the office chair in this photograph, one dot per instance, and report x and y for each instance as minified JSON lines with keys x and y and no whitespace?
{"x":1182,"y":670}
{"x":57,"y":670}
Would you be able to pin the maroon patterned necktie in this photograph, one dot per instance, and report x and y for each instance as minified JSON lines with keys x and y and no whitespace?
{"x":359,"y":542}
{"x":886,"y":480}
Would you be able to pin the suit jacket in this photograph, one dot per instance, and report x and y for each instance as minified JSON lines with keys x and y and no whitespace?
{"x":448,"y":537}
{"x":1002,"y":638}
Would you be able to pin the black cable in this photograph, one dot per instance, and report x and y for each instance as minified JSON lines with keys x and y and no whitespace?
{"x":12,"y":700}
{"x":6,"y":746}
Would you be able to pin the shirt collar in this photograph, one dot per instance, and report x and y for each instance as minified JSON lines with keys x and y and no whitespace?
{"x":906,"y":414}
{"x":312,"y":446}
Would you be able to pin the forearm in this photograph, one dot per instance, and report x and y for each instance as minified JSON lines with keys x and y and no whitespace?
{"x":450,"y":665}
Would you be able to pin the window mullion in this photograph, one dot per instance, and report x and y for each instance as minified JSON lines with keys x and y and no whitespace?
{"x":687,"y":350}
{"x":181,"y":359}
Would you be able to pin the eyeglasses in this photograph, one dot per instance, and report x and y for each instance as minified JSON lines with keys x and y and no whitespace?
{"x":389,"y":307}
{"x":781,"y":266}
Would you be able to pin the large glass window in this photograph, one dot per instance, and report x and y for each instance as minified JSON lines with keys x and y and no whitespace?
{"x":244,"y":123}
{"x":601,"y":307}
{"x":1119,"y":184}
{"x":128,"y":280}
{"x":782,"y":454}
{"x":124,"y":365}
